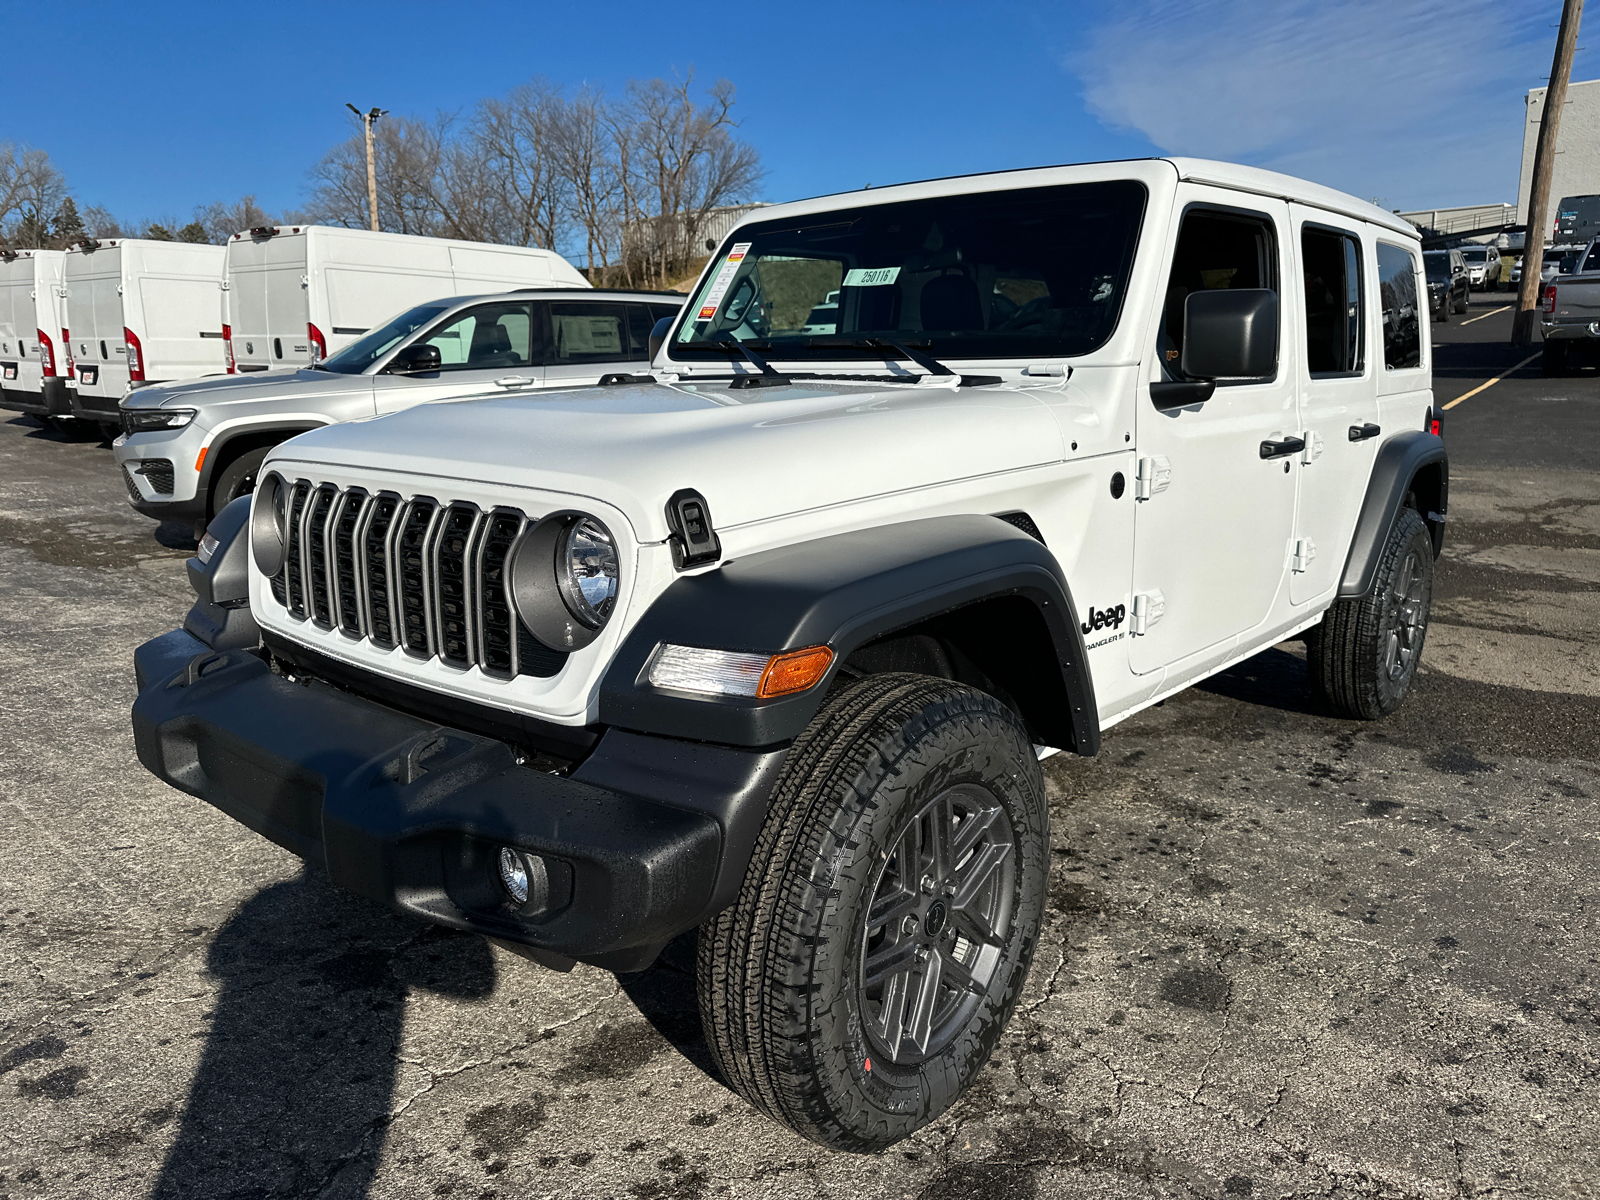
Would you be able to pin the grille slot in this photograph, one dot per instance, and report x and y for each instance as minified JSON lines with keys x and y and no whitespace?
{"x":160,"y":474}
{"x":430,"y":577}
{"x":133,"y":488}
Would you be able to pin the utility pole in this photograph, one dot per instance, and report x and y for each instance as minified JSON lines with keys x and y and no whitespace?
{"x":1544,"y":163}
{"x":369,"y":119}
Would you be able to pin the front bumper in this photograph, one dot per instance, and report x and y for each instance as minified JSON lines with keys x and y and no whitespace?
{"x":646,"y":839}
{"x":149,"y":490}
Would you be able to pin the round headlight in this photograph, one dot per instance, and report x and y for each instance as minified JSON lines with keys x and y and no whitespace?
{"x":587,"y":569}
{"x":268,"y":521}
{"x":564,"y":579}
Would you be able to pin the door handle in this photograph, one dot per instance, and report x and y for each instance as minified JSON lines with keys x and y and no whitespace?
{"x":1289,"y":445}
{"x":513,"y":381}
{"x":1360,"y":433}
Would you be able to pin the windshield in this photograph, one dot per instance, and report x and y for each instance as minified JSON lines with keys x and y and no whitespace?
{"x":368,"y":349}
{"x":1437,"y":264}
{"x":1475,"y":256}
{"x":1033,"y":273}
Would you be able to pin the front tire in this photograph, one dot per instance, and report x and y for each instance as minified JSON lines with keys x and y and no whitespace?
{"x":1466,"y":300}
{"x":237,"y":479}
{"x":889,"y":915}
{"x":1363,"y":658}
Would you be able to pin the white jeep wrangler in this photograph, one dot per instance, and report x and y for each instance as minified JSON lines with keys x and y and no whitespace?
{"x":930,"y":479}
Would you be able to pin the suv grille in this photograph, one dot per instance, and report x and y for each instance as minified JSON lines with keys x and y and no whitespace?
{"x":428,"y":576}
{"x":159,"y":472}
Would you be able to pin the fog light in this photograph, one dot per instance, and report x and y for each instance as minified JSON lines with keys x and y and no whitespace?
{"x":514,"y":874}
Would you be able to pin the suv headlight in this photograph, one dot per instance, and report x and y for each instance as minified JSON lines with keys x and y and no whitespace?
{"x":587,"y":572}
{"x":565,"y":575}
{"x":142,"y":420}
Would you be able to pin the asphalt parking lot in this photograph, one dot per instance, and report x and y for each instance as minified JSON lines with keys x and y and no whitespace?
{"x":1286,"y":955}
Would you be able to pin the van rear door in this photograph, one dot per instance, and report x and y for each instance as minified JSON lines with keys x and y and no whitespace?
{"x":16,"y":324}
{"x":267,"y":305}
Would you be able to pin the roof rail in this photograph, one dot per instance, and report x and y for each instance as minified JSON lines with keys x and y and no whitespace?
{"x":626,"y":291}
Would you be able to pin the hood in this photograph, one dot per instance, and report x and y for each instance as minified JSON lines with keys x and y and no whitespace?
{"x":247,"y":388}
{"x":754,"y":454}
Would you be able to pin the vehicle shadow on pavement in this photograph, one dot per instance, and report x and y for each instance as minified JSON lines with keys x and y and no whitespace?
{"x":1272,"y":679}
{"x":665,"y":996}
{"x":295,"y":1087}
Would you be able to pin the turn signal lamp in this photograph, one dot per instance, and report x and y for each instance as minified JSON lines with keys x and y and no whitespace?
{"x":731,"y":673}
{"x":1550,"y":298}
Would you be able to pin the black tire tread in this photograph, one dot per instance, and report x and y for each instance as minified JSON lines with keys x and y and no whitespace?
{"x":749,"y":1026}
{"x":1341,"y":652}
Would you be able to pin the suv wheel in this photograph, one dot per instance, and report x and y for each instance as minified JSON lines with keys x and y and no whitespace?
{"x":887,"y":921}
{"x":1363,"y":657}
{"x":237,"y":479}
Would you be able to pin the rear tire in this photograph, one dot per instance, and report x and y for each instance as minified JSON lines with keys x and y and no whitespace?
{"x":237,"y":479}
{"x":888,"y":917}
{"x":1553,"y":361}
{"x":1443,"y":313}
{"x":1363,"y":658}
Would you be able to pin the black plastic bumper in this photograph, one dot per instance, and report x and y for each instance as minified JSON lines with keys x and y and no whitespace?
{"x":54,"y":399}
{"x":646,"y":839}
{"x":104,"y":409}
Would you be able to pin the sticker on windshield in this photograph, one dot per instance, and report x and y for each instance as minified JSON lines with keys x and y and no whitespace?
{"x":719,"y":285}
{"x":870,"y":276}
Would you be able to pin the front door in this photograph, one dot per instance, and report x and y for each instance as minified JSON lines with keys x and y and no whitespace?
{"x":488,"y":349}
{"x":1338,"y":396}
{"x":1215,"y":496}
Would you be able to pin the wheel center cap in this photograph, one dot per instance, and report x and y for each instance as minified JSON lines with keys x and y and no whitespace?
{"x":934,"y":921}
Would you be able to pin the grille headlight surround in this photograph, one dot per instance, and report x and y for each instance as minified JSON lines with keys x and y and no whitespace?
{"x":144,"y":420}
{"x":565,"y":576}
{"x":268,"y":525}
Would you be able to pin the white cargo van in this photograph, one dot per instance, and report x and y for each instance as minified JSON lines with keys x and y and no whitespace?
{"x":139,"y":312}
{"x":33,"y":374}
{"x":294,"y":294}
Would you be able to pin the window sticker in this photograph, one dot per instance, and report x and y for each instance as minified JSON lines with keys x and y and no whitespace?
{"x":720,"y":285}
{"x":870,"y":276}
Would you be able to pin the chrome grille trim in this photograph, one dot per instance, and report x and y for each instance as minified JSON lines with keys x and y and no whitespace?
{"x":428,"y":576}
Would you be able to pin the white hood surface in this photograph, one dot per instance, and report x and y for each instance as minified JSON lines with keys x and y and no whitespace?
{"x":754,"y":454}
{"x":248,"y":389}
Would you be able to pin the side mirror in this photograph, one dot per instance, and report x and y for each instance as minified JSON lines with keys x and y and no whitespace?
{"x":1230,"y":334}
{"x":658,"y":336}
{"x":417,"y":359}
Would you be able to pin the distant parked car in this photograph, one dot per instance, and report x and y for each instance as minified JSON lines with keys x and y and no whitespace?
{"x":1448,"y":289}
{"x":1483,"y":266}
{"x":188,"y":449}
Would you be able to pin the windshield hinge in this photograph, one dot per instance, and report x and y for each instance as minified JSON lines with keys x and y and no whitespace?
{"x":1148,"y":608}
{"x":1154,"y":475}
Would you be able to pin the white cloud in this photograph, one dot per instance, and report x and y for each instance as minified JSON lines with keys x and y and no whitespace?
{"x":1413,"y":102}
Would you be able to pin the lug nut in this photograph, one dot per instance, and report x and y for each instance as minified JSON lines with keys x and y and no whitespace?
{"x":928,"y":885}
{"x":909,"y":925}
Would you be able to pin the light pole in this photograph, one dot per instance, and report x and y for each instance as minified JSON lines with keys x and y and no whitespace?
{"x":369,"y":119}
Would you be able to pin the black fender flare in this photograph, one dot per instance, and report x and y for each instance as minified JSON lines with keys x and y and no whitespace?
{"x":846,"y":590}
{"x":221,"y":615}
{"x":1399,"y":461}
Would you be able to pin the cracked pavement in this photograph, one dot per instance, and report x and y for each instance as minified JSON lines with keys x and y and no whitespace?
{"x":1284,"y":956}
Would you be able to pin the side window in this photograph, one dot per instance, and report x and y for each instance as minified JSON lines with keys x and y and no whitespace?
{"x":486,"y":337}
{"x":1332,"y":263}
{"x":588,"y":332}
{"x":1215,"y":250}
{"x":1397,"y":290}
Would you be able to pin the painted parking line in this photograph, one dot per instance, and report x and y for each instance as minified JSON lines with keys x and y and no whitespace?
{"x":1491,"y":383}
{"x":1507,"y":308}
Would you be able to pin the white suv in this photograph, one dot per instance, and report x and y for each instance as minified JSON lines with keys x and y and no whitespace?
{"x":931,"y":480}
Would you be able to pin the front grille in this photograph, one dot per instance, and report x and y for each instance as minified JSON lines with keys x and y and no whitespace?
{"x":159,"y":472}
{"x":416,"y":573}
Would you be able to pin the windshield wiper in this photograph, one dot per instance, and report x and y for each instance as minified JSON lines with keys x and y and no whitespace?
{"x":911,"y":350}
{"x":725,"y":342}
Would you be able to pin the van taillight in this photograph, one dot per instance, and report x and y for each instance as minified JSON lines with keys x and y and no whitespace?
{"x":1550,"y":298}
{"x":135,"y":356}
{"x":1434,"y":422}
{"x":227,"y":347}
{"x":47,"y":351}
{"x":319,"y":344}
{"x":66,"y":349}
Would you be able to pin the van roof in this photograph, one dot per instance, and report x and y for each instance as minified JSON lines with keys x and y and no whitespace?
{"x":1255,"y":180}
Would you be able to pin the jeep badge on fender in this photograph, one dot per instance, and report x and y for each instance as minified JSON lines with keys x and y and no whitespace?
{"x":768,"y":643}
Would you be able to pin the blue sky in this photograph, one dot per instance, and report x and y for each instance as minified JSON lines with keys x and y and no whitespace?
{"x":153,"y":109}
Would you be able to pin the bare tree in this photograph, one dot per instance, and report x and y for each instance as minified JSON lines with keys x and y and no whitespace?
{"x":408,"y":153}
{"x":222,"y":221}
{"x":31,"y":193}
{"x":515,"y":140}
{"x":580,"y":146}
{"x":98,"y":222}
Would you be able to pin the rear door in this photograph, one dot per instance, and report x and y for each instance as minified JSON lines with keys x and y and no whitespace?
{"x":16,"y":320}
{"x":288,"y":314}
{"x":1210,"y":540}
{"x":1331,"y":313}
{"x":492,"y":348}
{"x":591,"y":338}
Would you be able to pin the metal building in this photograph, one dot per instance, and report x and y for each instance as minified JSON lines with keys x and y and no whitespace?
{"x":1577,"y":167}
